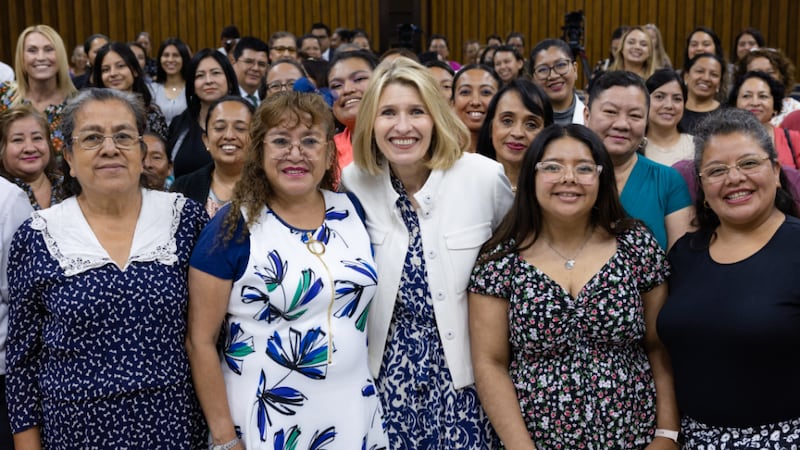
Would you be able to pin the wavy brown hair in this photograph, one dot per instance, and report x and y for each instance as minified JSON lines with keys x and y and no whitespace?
{"x":19,"y":112}
{"x":253,"y":190}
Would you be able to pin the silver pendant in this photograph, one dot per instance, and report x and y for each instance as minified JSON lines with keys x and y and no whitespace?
{"x":570,"y":264}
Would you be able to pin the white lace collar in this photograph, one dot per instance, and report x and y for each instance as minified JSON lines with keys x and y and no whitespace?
{"x":72,"y":243}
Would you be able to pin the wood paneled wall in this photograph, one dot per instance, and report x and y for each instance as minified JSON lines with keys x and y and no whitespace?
{"x":198,"y":22}
{"x":778,"y":20}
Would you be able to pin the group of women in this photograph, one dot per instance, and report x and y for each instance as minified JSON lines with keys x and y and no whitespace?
{"x":570,"y":302}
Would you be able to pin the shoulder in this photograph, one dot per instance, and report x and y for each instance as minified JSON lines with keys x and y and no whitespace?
{"x":661,"y":173}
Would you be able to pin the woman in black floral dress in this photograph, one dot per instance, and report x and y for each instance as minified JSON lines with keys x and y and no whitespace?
{"x":562,"y":306}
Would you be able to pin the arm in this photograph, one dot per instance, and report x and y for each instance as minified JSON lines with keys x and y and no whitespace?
{"x":678,"y":223}
{"x":491,"y":354}
{"x":29,"y":439}
{"x":667,"y":416}
{"x":208,"y":303}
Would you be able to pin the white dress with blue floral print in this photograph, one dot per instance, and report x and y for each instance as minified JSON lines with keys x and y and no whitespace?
{"x":295,"y":352}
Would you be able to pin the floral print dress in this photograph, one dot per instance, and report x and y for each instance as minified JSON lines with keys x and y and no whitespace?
{"x":8,"y":93}
{"x":423,"y":408}
{"x":582,"y":377}
{"x":294,"y":358}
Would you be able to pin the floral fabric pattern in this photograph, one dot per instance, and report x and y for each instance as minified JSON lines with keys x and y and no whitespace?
{"x":295,"y":354}
{"x":774,"y":436}
{"x":423,"y":409}
{"x":8,"y":93}
{"x":582,"y":377}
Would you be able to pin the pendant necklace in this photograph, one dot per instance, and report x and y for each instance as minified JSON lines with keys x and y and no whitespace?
{"x":569,"y":263}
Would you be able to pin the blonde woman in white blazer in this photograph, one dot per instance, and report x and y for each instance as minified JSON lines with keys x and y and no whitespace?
{"x":429,"y":207}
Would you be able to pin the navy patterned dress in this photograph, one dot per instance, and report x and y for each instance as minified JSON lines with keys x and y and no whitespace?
{"x":423,"y":409}
{"x":96,"y":354}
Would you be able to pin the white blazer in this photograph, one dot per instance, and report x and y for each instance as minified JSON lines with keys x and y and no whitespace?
{"x":458,"y":210}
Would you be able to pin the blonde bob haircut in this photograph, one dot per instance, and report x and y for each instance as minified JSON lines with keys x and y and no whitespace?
{"x":63,"y":81}
{"x":450,"y":137}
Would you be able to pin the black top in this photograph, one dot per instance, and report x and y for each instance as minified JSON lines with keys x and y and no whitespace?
{"x":691,"y":118}
{"x":195,"y":185}
{"x":733,"y":331}
{"x":186,"y":141}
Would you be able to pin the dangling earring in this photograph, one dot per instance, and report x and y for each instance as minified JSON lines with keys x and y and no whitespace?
{"x":705,"y":204}
{"x":643,"y":144}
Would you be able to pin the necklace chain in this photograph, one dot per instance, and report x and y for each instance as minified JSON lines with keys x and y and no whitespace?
{"x":569,"y":263}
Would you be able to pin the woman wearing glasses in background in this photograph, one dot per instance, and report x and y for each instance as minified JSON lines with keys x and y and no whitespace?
{"x":562,"y":306}
{"x":732,"y":319}
{"x":286,"y":271}
{"x":282,"y":75}
{"x":555,"y":71}
{"x":98,"y":295}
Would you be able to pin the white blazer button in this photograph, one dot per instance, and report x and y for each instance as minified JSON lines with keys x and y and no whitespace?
{"x":449,"y":335}
{"x":440,"y":295}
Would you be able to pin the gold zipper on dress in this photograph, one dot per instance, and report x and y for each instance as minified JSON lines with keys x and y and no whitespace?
{"x":317,"y":248}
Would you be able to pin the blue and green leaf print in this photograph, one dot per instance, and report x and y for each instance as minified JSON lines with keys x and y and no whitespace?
{"x":352,"y":291}
{"x":274,"y":274}
{"x":307,"y":354}
{"x":287,"y":441}
{"x":322,"y":438}
{"x":237,"y":347}
{"x":282,"y":399}
{"x":308,"y":287}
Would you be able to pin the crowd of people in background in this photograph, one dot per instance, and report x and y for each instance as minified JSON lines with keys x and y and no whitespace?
{"x":299,"y":242}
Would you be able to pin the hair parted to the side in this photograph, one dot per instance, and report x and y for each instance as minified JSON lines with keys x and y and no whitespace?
{"x":63,"y":80}
{"x":450,"y":136}
{"x":524,"y":221}
{"x":253,"y":190}
{"x":723,"y":122}
{"x":19,"y":112}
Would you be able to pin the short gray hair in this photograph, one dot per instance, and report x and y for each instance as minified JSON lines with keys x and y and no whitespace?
{"x":77,"y":103}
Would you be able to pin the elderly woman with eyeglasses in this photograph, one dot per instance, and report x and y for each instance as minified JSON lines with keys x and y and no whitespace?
{"x":286,"y":274}
{"x":731,"y":323}
{"x":98,"y":297}
{"x":562,"y":308}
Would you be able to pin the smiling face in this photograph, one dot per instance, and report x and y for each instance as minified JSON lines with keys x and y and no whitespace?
{"x":559,"y":88}
{"x":440,"y":47}
{"x":745,"y":43}
{"x":666,"y":105}
{"x":403,"y":127}
{"x":513,"y":128}
{"x":109,"y":170}
{"x":619,"y":116}
{"x":704,"y":78}
{"x":209,"y":81}
{"x":506,"y":66}
{"x":348,"y":79}
{"x":227,"y":134}
{"x":171,"y":60}
{"x":311,"y":48}
{"x":636,"y":48}
{"x":115,"y":73}
{"x":297,"y":173}
{"x":566,"y":199}
{"x":26,"y":153}
{"x":700,"y":42}
{"x":739,"y":199}
{"x":473,"y":91}
{"x":284,"y":47}
{"x":250,"y":68}
{"x":40,"y":60}
{"x":755,"y":96}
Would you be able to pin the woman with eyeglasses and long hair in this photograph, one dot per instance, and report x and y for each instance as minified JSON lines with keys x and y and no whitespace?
{"x":562,"y":306}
